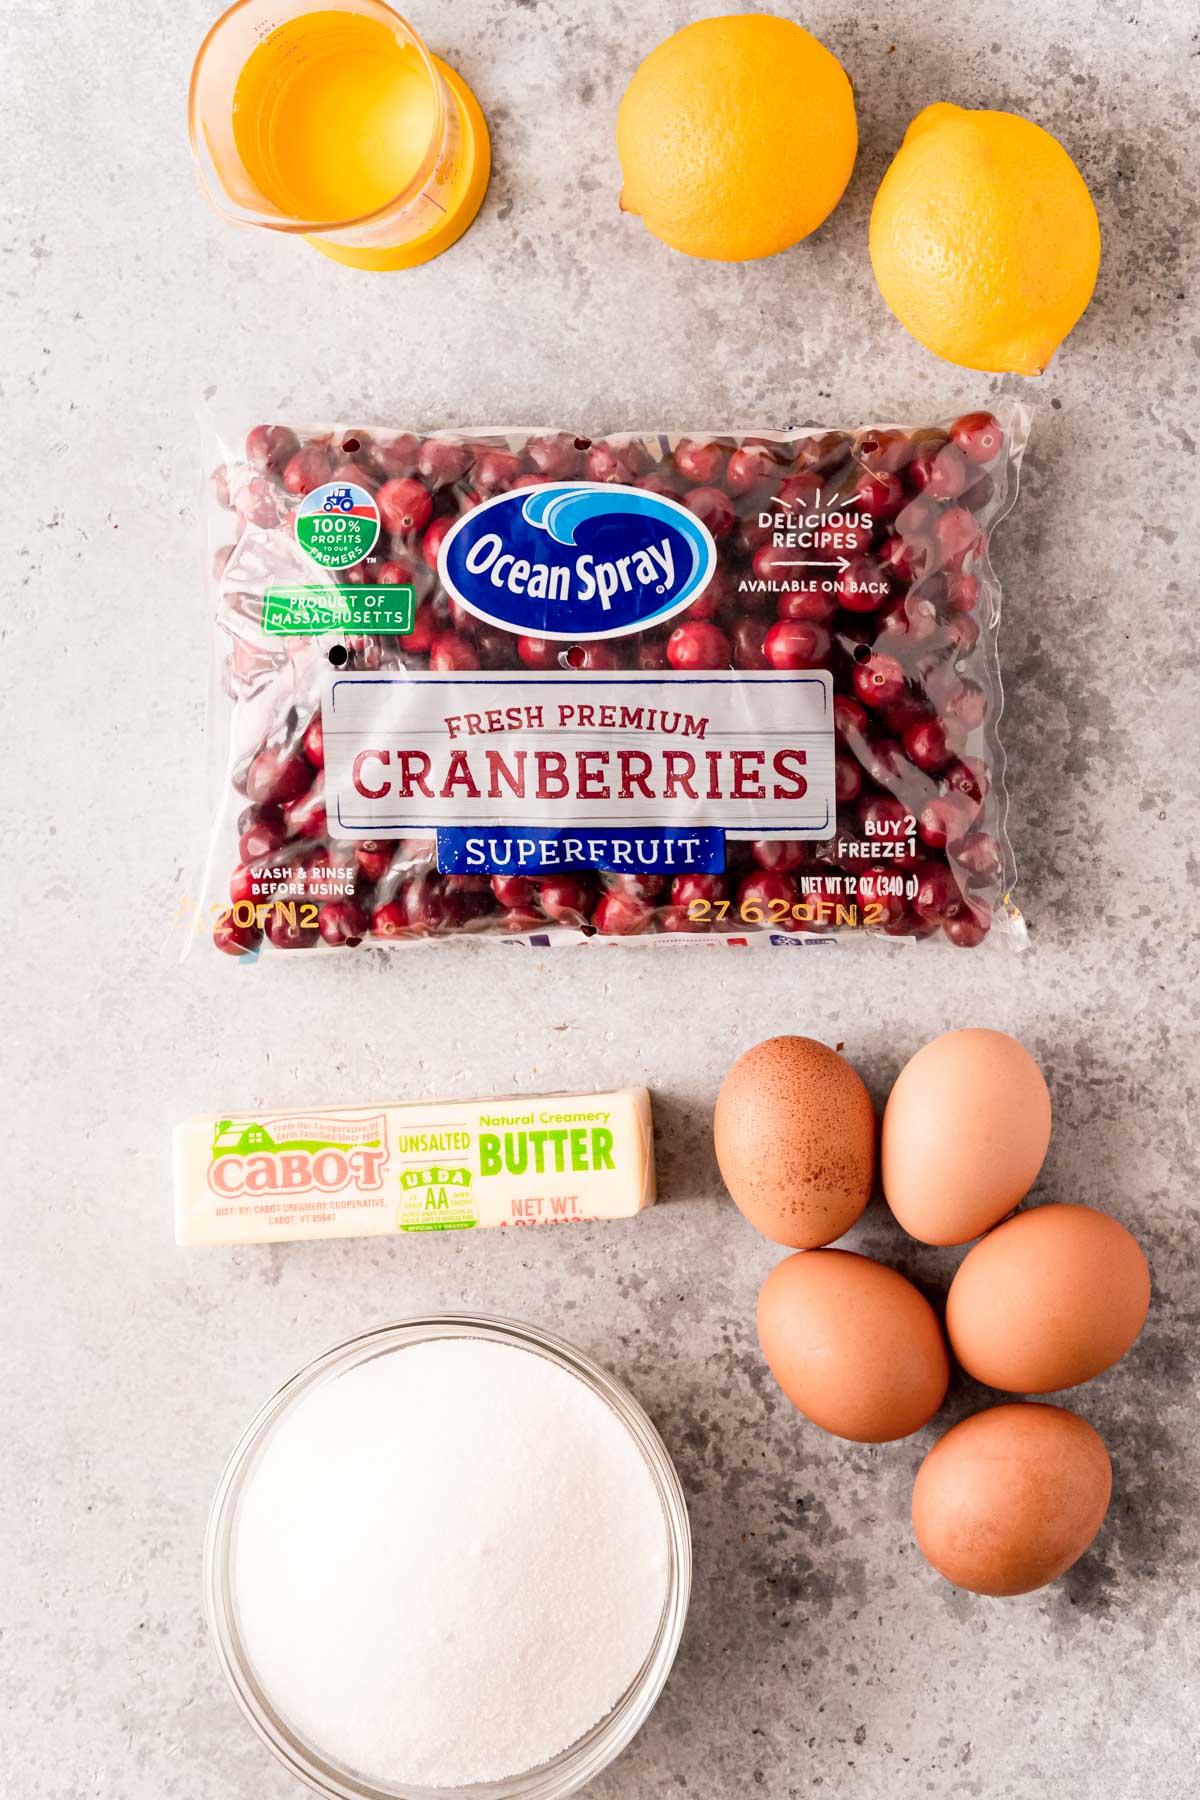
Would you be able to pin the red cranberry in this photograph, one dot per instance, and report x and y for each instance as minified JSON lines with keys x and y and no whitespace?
{"x":269,"y":448}
{"x":305,"y":816}
{"x":879,"y":681}
{"x":810,"y":603}
{"x":652,"y":653}
{"x":393,"y":456}
{"x":374,"y":858}
{"x":641,"y":883}
{"x":352,"y":472}
{"x":263,"y":835}
{"x":967,"y":707}
{"x":285,"y":929}
{"x":879,"y":494}
{"x":981,"y":856}
{"x":775,"y":563}
{"x":969,"y":929}
{"x":700,"y":462}
{"x":796,"y":644}
{"x":748,"y":639}
{"x":910,"y":709}
{"x":940,"y":471}
{"x":847,"y":779}
{"x":342,"y":922}
{"x":607,"y":464}
{"x":394,"y":574}
{"x":313,"y":741}
{"x":390,"y":920}
{"x":780,"y":854}
{"x":449,"y":652}
{"x":427,"y":904}
{"x":979,"y":495}
{"x":962,"y":592}
{"x":849,"y":718}
{"x":496,"y":471}
{"x":769,"y":889}
{"x":307,"y":469}
{"x":556,"y":457}
{"x":622,"y":915}
{"x":686,"y":889}
{"x":244,"y":883}
{"x":971,"y":777}
{"x":257,"y":504}
{"x":494,"y":647}
{"x":824,"y":453}
{"x":513,"y":890}
{"x":435,"y":537}
{"x":593,"y":656}
{"x":424,"y":629}
{"x":713,"y":508}
{"x":698,"y":646}
{"x":978,"y":435}
{"x":658,"y":481}
{"x":711,"y":596}
{"x":465,"y":622}
{"x":441,"y":461}
{"x":538,"y":652}
{"x":906,"y":558}
{"x":930,"y":745}
{"x":938,"y":895}
{"x":676,"y":919}
{"x":751,"y":466}
{"x":405,"y":506}
{"x":235,"y":939}
{"x":278,"y":774}
{"x":944,"y":819}
{"x":802,"y":490}
{"x":565,"y":898}
{"x":884,"y":450}
{"x":961,"y":635}
{"x":883,"y":887}
{"x":864,"y":586}
{"x":955,"y":533}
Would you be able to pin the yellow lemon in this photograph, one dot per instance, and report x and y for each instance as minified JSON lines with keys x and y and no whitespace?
{"x":984,"y":239}
{"x":737,"y":137}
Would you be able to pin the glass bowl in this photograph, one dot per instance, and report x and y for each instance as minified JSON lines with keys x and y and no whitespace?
{"x":582,"y":1760}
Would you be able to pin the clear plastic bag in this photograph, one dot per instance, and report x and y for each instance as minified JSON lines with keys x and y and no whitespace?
{"x":521,"y":684}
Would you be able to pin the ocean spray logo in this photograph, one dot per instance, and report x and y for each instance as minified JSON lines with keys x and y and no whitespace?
{"x":577,"y":560}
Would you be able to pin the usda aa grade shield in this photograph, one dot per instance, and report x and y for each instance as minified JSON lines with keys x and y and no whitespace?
{"x":577,"y":560}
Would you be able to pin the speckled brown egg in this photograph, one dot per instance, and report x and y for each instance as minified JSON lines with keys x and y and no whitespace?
{"x":965,"y":1131}
{"x":853,"y":1345}
{"x":1009,"y":1499}
{"x":795,"y":1138}
{"x":1048,"y":1299}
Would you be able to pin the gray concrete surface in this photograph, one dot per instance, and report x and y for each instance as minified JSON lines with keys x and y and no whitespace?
{"x":821,"y":1656}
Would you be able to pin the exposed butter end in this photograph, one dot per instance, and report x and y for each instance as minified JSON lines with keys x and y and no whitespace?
{"x":326,"y":1172}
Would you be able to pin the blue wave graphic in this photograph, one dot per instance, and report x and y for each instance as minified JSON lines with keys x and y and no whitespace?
{"x":561,"y":511}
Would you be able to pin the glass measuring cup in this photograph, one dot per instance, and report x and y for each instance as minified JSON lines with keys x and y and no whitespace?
{"x":332,"y":121}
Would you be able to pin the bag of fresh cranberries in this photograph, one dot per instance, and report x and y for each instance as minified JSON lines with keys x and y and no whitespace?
{"x":554,"y":689}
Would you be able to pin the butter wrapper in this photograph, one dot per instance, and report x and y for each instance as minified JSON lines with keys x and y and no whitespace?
{"x":449,"y":1165}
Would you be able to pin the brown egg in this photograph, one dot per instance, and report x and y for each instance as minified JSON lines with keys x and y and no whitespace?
{"x":965,"y":1132}
{"x":1048,"y":1300}
{"x":853,"y":1345}
{"x":795,"y":1138}
{"x":1009,"y":1499}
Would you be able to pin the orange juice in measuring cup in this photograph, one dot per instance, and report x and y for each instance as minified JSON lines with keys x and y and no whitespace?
{"x":333,"y":121}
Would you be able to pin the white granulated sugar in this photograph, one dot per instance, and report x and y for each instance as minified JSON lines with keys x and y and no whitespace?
{"x":449,"y":1563}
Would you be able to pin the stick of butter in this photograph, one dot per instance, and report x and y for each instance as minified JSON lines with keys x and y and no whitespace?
{"x":449,"y":1165}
